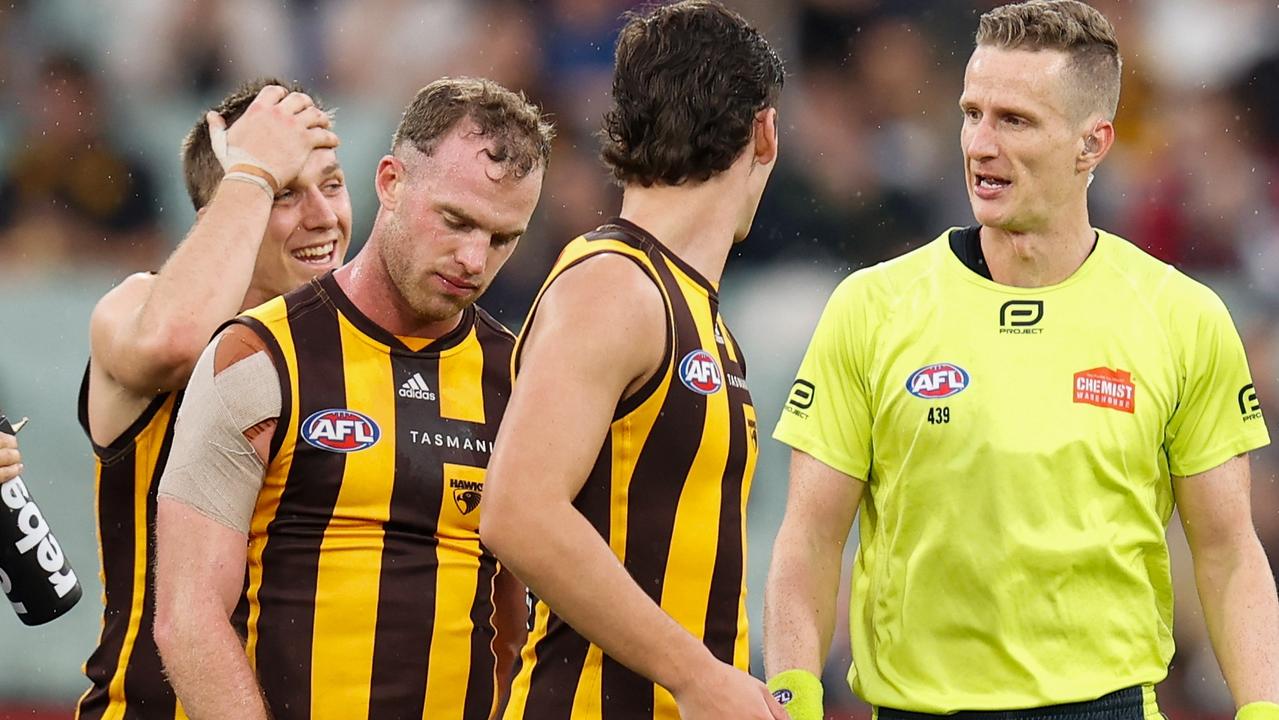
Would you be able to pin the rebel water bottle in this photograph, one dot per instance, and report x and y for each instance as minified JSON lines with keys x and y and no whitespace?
{"x":34,"y":573}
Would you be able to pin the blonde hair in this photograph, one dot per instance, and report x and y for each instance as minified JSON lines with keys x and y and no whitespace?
{"x":1079,"y":30}
{"x":521,"y":133}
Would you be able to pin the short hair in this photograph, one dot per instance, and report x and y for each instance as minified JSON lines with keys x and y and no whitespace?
{"x":1079,"y":30}
{"x":688,"y":81}
{"x":521,"y":133}
{"x":200,"y":167}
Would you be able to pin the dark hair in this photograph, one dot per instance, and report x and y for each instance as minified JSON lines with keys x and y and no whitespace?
{"x":521,"y":133}
{"x":1079,"y":30}
{"x":200,"y":167}
{"x":688,"y":81}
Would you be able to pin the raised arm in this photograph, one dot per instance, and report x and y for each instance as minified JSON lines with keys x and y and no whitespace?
{"x":600,"y":331}
{"x":1236,"y":586}
{"x":207,"y":496}
{"x":146,"y":334}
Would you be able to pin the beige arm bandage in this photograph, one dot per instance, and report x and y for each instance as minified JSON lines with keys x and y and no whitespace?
{"x":212,"y":467}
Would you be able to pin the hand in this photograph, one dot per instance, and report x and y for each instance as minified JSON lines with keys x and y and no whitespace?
{"x":726,"y":693}
{"x":277,"y":133}
{"x":10,"y":459}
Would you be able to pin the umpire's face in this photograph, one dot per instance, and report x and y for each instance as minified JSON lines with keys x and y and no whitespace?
{"x":452,"y":219}
{"x":1020,"y":139}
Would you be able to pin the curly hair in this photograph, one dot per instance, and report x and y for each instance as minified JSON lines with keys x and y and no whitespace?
{"x":1079,"y":30}
{"x":688,"y":81}
{"x":200,"y":167}
{"x":521,"y":132}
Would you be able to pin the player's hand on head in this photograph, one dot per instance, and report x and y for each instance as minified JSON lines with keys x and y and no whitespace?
{"x":277,"y":133}
{"x":10,"y":458}
{"x":726,"y":693}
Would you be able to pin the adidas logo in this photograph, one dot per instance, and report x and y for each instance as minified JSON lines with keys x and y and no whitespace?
{"x":416,"y":387}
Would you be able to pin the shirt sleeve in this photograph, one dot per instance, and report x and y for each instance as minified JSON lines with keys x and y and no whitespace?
{"x":827,"y":414}
{"x":1218,"y":415}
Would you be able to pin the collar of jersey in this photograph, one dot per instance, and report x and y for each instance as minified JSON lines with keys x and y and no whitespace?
{"x":376,"y":333}
{"x":645,"y":237}
{"x":1097,"y":257}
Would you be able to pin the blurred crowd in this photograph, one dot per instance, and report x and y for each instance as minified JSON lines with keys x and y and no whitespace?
{"x":97,"y":96}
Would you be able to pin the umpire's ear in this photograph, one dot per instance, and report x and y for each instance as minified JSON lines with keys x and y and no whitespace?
{"x":389,"y":181}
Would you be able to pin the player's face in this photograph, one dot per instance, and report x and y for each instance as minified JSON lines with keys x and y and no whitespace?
{"x":457,"y":218}
{"x":309,"y":229}
{"x":1019,"y":141}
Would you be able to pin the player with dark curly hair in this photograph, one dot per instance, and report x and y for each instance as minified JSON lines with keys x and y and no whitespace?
{"x":618,"y":487}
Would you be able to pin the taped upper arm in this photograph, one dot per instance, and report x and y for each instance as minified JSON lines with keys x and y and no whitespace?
{"x":213,"y":467}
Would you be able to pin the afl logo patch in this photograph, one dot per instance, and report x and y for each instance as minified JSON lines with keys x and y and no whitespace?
{"x":340,"y":430}
{"x":934,"y":382}
{"x":700,"y":373}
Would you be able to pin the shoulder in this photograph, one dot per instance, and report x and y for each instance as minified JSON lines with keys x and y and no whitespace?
{"x":1178,"y":295}
{"x":236,"y":342}
{"x":878,"y":288}
{"x":604,"y":318}
{"x":604,"y":300}
{"x":604,"y":281}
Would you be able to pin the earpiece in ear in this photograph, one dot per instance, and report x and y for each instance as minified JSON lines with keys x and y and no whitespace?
{"x":1090,"y":143}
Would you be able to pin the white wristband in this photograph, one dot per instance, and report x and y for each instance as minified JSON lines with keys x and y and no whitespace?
{"x":252,"y":180}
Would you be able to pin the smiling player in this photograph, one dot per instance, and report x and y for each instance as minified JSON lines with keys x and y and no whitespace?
{"x":273,"y":213}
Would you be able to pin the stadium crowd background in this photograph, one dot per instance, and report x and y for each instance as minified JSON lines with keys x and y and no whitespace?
{"x":94,"y":98}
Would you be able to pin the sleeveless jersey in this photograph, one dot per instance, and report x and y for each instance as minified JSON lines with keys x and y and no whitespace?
{"x":668,"y":493}
{"x":368,"y":594}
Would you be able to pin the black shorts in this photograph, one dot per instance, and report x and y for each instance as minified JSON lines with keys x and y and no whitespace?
{"x":1126,"y":704}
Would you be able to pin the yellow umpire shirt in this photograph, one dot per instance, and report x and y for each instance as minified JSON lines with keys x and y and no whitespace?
{"x":1018,"y":446}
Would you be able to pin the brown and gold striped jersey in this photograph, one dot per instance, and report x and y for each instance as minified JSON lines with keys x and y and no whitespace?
{"x":368,"y":594}
{"x":668,"y":493}
{"x":124,"y":669}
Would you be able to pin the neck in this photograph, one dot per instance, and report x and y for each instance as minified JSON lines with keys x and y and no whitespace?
{"x":1037,"y":258}
{"x":691,"y":220}
{"x":370,"y":288}
{"x":255,"y":297}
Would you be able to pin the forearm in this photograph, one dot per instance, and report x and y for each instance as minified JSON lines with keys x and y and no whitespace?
{"x":204,"y":282}
{"x":566,"y":563}
{"x":800,"y":600}
{"x":1237,"y":590}
{"x":205,"y":662}
{"x":510,"y":621}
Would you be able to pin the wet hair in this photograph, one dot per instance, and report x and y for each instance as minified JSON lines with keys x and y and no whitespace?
{"x":1079,"y":30}
{"x":521,"y":134}
{"x":200,"y":167}
{"x":689,"y":79}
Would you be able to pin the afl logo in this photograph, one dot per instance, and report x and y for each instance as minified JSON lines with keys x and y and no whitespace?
{"x":700,"y":373}
{"x":341,"y":430}
{"x":934,"y":382}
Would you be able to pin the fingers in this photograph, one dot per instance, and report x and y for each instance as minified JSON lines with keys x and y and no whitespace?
{"x":216,"y":123}
{"x":217,"y":136}
{"x":321,"y":138}
{"x":10,"y":464}
{"x":314,"y":117}
{"x":296,"y":102}
{"x":8,"y":441}
{"x":270,"y":95}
